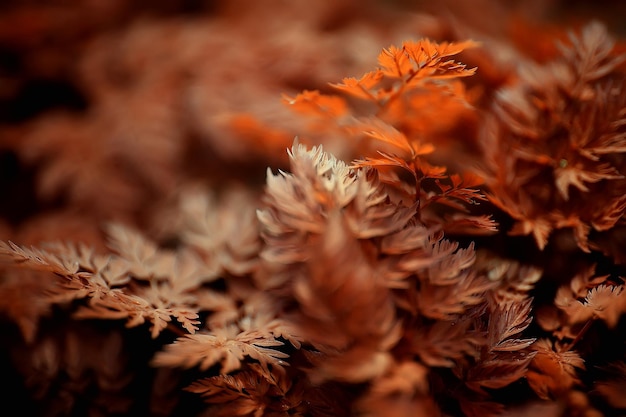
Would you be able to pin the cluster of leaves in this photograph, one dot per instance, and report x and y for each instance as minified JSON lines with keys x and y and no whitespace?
{"x":393,"y":106}
{"x":342,"y":290}
{"x":364,"y":293}
{"x":554,"y":142}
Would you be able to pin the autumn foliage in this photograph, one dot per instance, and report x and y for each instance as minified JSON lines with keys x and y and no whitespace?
{"x":436,"y":230}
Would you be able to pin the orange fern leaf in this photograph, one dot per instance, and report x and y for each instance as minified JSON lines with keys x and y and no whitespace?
{"x":424,"y":58}
{"x":362,"y":87}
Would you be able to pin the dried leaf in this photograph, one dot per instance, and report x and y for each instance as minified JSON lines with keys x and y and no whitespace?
{"x":553,"y":371}
{"x":226,"y":346}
